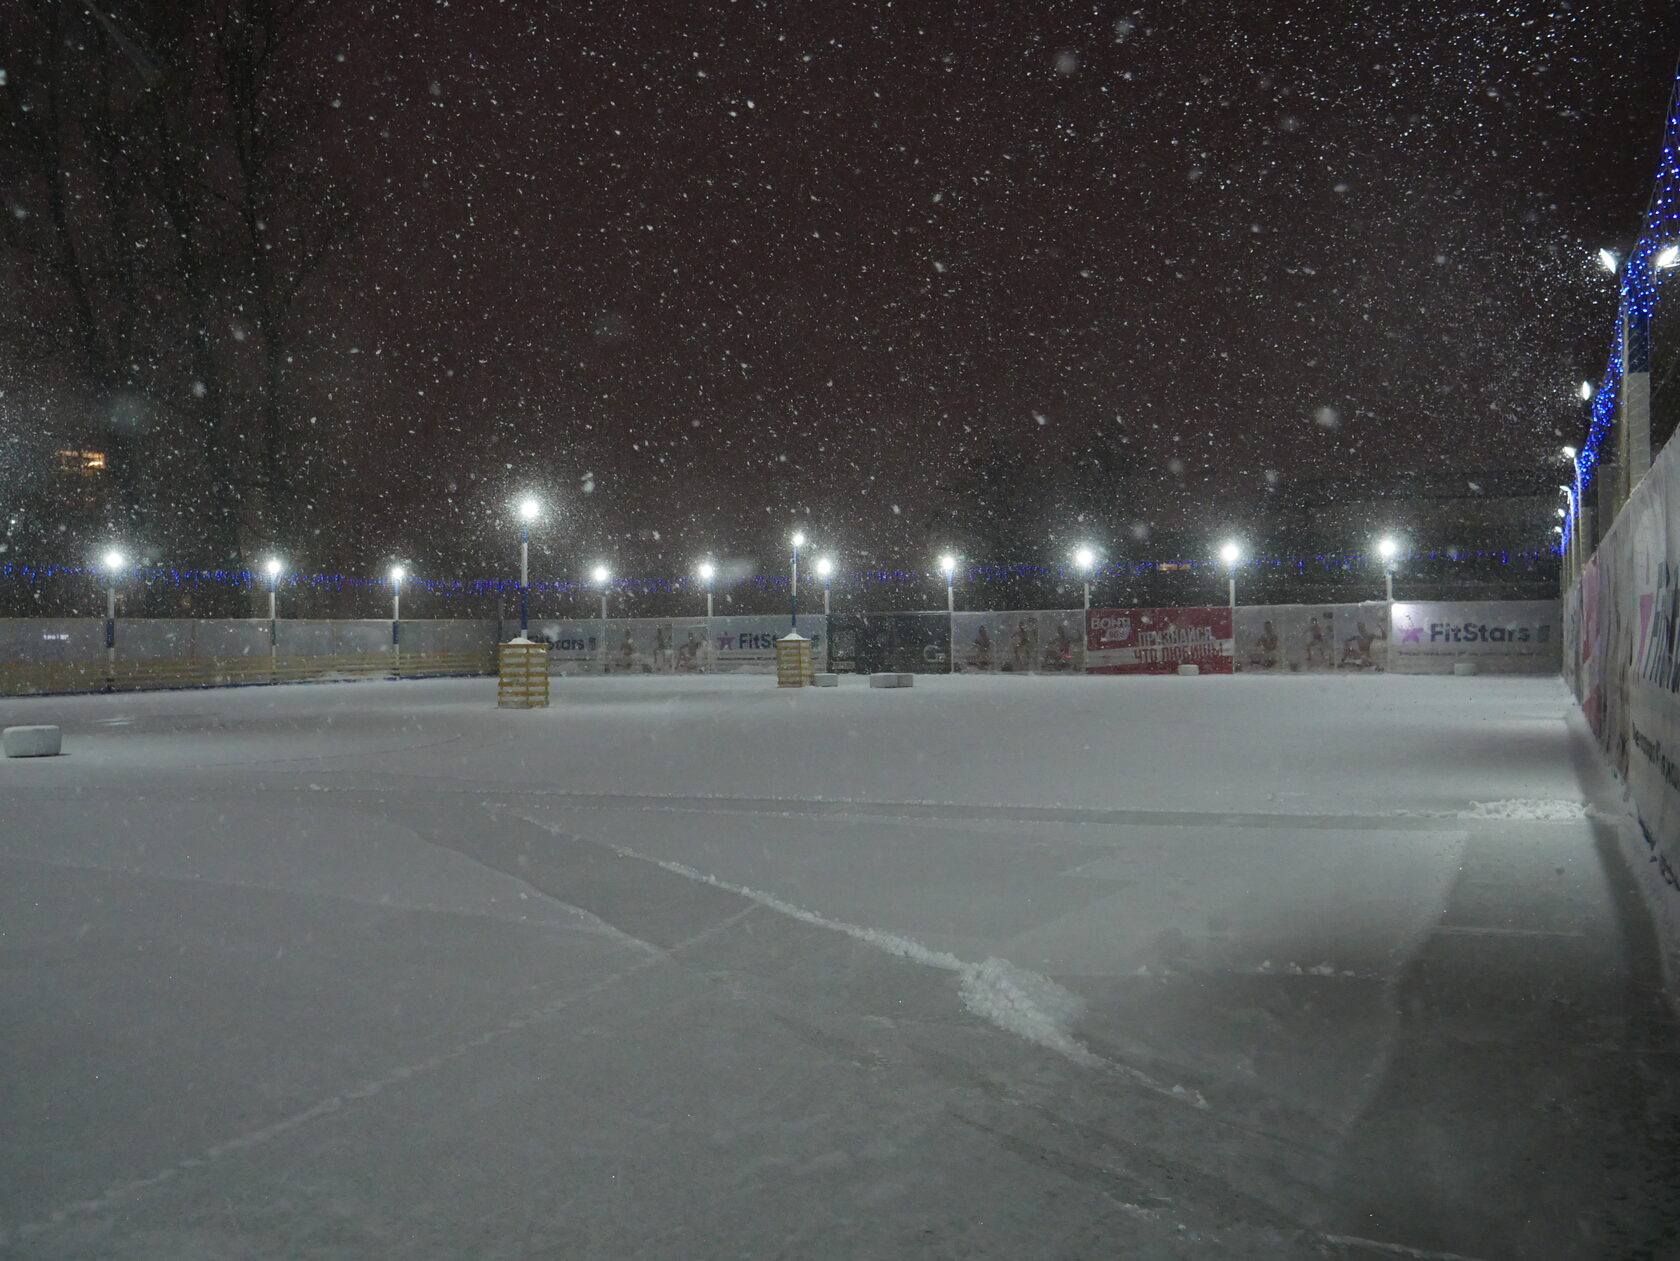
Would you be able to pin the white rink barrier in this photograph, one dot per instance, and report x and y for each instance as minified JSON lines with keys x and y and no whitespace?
{"x":1496,"y":636}
{"x":1623,"y":662}
{"x":670,"y":645}
{"x":45,"y":656}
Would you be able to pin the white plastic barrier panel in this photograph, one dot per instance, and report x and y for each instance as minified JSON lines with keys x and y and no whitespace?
{"x":1043,"y":641}
{"x":1311,"y":638}
{"x":1500,"y":636}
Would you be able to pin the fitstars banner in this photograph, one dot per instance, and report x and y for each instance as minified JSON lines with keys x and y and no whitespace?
{"x":1499,"y":636}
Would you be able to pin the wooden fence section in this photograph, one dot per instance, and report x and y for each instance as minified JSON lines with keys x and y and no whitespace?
{"x":159,"y":673}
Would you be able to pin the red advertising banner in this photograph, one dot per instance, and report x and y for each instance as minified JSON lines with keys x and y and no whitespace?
{"x":1157,"y":641}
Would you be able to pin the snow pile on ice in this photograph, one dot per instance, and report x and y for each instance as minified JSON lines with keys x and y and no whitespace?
{"x":1539,"y":809}
{"x":1026,"y":1004}
{"x":1017,"y":1001}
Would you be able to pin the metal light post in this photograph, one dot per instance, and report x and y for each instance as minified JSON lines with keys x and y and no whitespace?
{"x":948,"y":567}
{"x":798,"y":542}
{"x":1387,"y":550}
{"x":825,"y":571}
{"x":272,"y":568}
{"x":398,"y":573}
{"x":114,"y":561}
{"x":529,"y":510}
{"x":1085,"y":559}
{"x":602,"y":575}
{"x":1583,"y":513}
{"x":1231,"y":553}
{"x":1569,"y":531}
{"x":708,"y":572}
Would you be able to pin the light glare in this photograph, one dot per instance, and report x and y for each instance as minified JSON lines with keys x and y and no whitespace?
{"x":1586,"y":391}
{"x":1607,"y":259}
{"x":529,"y":509}
{"x":707,"y":571}
{"x":947,"y":564}
{"x":1387,"y":548}
{"x":1569,"y":453}
{"x":600,"y":574}
{"x":271,"y":567}
{"x":1230,"y":553}
{"x":398,"y":573}
{"x":799,"y":538}
{"x":825,"y":567}
{"x":114,"y":559}
{"x":1085,"y":558}
{"x":1668,"y":256}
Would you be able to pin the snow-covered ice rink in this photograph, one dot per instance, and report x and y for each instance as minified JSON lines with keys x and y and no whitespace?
{"x":679,"y":968}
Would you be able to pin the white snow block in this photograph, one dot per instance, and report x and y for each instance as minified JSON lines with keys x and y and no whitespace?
{"x":891,"y":680}
{"x":825,"y":680}
{"x":1189,"y":669}
{"x":1464,"y":668}
{"x":32,"y":741}
{"x":907,"y":680}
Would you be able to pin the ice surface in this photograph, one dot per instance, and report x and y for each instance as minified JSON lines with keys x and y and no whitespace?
{"x":693,"y":967}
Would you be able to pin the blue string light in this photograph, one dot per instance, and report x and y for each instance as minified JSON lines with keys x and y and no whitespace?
{"x":769,"y":584}
{"x":1640,"y":289}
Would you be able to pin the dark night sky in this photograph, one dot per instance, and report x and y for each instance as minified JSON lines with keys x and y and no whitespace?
{"x":697,"y":268}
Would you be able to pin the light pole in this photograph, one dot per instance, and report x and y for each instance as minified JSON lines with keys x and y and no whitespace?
{"x":529,"y":511}
{"x":272,"y":568}
{"x":708,"y":572}
{"x":1387,"y":550}
{"x":602,"y":575}
{"x":948,"y":567}
{"x":1583,"y":513}
{"x":825,"y":571}
{"x":398,"y":573}
{"x":1085,"y":559}
{"x":798,"y":542}
{"x":114,"y":561}
{"x":1569,"y":529}
{"x":1231,"y":553}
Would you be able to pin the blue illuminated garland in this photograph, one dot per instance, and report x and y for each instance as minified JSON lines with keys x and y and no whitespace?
{"x":246,"y":579}
{"x":1640,"y":289}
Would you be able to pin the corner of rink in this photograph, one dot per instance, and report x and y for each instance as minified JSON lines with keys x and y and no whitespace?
{"x":1654,"y":880}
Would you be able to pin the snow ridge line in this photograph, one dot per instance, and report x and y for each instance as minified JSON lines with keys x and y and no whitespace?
{"x":1027,"y":1004}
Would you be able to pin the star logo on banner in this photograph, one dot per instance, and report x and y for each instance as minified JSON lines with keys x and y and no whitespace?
{"x":1411,"y":634}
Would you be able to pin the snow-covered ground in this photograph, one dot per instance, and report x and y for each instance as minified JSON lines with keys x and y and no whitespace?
{"x":1005,"y":967}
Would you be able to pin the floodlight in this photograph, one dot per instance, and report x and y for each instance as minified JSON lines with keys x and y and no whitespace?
{"x":271,"y":566}
{"x":1586,"y":391}
{"x":948,"y":564}
{"x":1230,"y":553}
{"x":799,"y":538}
{"x":1387,"y":548}
{"x":1084,"y":557}
{"x":825,"y":567}
{"x":1607,"y":259}
{"x":398,"y":573}
{"x":529,"y":509}
{"x":115,"y":560}
{"x":707,"y":571}
{"x":1668,"y":256}
{"x":600,"y":574}
{"x":1569,"y":453}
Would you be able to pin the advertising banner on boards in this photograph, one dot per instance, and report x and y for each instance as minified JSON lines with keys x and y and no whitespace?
{"x":1499,"y":636}
{"x":1158,"y":641}
{"x":1044,"y":641}
{"x":1311,"y":638}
